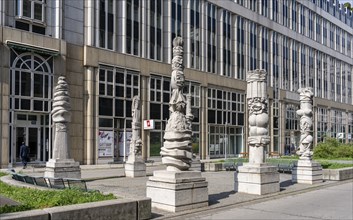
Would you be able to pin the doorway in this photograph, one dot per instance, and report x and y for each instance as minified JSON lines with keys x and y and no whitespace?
{"x":30,"y":130}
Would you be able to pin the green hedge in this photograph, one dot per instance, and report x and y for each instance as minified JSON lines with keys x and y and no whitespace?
{"x":333,"y":149}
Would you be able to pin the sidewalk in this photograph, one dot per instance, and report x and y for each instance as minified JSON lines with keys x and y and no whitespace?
{"x":111,"y":179}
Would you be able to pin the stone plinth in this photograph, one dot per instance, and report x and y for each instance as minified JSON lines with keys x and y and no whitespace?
{"x":135,"y":169}
{"x":62,"y":168}
{"x":258,"y":179}
{"x":177,"y":190}
{"x":307,"y":172}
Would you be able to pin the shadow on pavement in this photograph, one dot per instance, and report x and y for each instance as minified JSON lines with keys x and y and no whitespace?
{"x":214,"y":198}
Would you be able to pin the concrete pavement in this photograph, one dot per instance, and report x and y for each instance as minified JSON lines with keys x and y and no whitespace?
{"x":334,"y":202}
{"x":110,"y":179}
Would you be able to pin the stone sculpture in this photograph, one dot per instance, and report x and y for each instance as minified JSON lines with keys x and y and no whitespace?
{"x":177,"y":188}
{"x":136,"y":142}
{"x":176,"y":151}
{"x":61,"y":116}
{"x":305,"y":112}
{"x":258,"y":115}
{"x":60,"y":165}
{"x":135,"y":166}
{"x":257,"y":177}
{"x":306,"y":170}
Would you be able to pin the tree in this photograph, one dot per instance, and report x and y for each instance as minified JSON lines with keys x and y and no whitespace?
{"x":348,"y":6}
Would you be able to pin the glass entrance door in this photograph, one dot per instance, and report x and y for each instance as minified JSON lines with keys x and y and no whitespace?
{"x":31,"y":137}
{"x":28,"y":129}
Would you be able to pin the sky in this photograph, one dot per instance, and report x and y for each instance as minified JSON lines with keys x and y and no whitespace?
{"x":344,"y":1}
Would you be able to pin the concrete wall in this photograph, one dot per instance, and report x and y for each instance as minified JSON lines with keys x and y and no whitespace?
{"x":338,"y":174}
{"x":110,"y":209}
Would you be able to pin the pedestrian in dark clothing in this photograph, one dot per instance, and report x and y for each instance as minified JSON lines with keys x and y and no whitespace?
{"x":24,"y":154}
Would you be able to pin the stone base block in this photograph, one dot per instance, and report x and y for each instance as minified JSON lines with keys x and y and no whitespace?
{"x":177,"y":191}
{"x":56,"y":168}
{"x":258,"y":179}
{"x":135,"y":169}
{"x":307,"y":172}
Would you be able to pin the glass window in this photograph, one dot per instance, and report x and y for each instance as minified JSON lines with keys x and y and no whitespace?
{"x":31,"y":81}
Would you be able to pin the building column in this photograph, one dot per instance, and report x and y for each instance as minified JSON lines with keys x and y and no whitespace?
{"x":144,"y":116}
{"x":203,"y":124}
{"x":167,"y":31}
{"x":282,"y":125}
{"x":5,"y":144}
{"x":90,"y":116}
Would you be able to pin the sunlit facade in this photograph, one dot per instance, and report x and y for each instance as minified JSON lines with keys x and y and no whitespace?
{"x":111,"y":50}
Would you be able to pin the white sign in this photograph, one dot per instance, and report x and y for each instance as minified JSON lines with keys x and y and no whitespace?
{"x":106,"y":143}
{"x":340,"y":135}
{"x":349,"y":136}
{"x":148,"y":124}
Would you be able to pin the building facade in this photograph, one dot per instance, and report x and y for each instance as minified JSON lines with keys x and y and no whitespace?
{"x":112,"y":50}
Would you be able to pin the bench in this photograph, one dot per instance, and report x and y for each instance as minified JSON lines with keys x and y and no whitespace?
{"x":56,"y":183}
{"x":19,"y":177}
{"x":229,"y":166}
{"x":244,"y":154}
{"x":79,"y":184}
{"x":149,"y":161}
{"x":29,"y":179}
{"x":40,"y":181}
{"x":274,"y":154}
{"x":285,"y":168}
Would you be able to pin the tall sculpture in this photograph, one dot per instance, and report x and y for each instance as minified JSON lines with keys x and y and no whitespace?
{"x":135,"y":166}
{"x":177,"y":188}
{"x":306,"y":170}
{"x":176,"y":151}
{"x":61,"y":166}
{"x":61,"y":115}
{"x":306,"y":123}
{"x":258,"y":115}
{"x":257,"y":177}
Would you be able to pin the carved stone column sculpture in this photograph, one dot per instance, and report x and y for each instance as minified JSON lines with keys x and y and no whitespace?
{"x":174,"y":189}
{"x":176,"y":151}
{"x":135,"y":166}
{"x":257,"y":177}
{"x":61,"y":166}
{"x":306,"y":170}
{"x":306,"y":123}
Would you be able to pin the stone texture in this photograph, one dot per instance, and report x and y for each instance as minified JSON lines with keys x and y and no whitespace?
{"x":176,"y":151}
{"x":257,"y":179}
{"x":135,"y":166}
{"x":111,"y":209}
{"x":135,"y":169}
{"x":67,"y":168}
{"x":61,"y":166}
{"x":176,"y":188}
{"x":26,"y":215}
{"x":338,"y":174}
{"x":306,"y":122}
{"x":144,"y":208}
{"x":307,"y":172}
{"x":177,"y":191}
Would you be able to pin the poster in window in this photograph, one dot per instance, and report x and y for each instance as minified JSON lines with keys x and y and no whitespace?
{"x":106,"y":143}
{"x":124,"y":145}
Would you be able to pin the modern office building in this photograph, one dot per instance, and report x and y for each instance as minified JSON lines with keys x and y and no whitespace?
{"x":112,"y":50}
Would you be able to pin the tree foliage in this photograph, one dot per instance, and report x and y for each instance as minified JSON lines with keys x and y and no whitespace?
{"x":332,"y":148}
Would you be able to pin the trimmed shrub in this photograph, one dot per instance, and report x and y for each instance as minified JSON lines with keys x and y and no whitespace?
{"x":332,"y":148}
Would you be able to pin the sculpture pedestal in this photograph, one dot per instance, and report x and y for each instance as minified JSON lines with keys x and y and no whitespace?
{"x":307,"y":172}
{"x":135,"y":169}
{"x":175,"y":191}
{"x":62,"y":168}
{"x":259,"y":179}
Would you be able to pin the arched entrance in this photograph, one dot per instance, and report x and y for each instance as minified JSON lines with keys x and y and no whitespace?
{"x":31,"y":83}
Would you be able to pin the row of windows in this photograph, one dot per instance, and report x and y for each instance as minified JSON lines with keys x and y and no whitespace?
{"x":288,"y":9}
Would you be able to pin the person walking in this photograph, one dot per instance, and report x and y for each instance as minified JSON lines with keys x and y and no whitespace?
{"x":24,"y":154}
